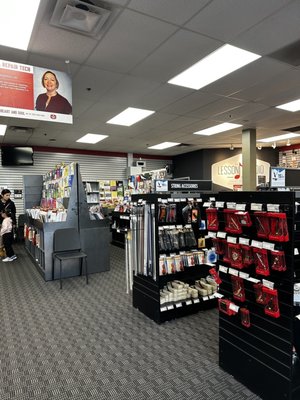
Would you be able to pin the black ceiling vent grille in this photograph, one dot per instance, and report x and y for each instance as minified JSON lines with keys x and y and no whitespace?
{"x":289,"y":54}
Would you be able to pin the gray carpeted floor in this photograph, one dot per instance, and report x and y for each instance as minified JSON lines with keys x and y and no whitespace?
{"x":88,"y":342}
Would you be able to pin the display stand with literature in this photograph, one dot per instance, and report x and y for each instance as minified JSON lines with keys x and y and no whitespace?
{"x":41,"y":225}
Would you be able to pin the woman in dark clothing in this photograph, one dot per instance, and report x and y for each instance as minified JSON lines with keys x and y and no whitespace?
{"x":8,"y":205}
{"x":52,"y":101}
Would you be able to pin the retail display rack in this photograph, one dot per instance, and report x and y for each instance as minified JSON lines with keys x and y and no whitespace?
{"x":257,"y":236}
{"x":171,"y":256}
{"x":64,"y":205}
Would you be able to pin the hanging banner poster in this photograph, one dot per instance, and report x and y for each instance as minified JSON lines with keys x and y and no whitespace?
{"x":229,"y":172}
{"x":35,"y":93}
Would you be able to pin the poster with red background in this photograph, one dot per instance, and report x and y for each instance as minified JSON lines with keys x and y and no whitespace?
{"x":20,"y":85}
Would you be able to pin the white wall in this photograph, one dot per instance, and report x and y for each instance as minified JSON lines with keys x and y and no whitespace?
{"x":91,"y":167}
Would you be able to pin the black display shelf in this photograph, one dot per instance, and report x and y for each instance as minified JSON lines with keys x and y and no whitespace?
{"x":146,"y":289}
{"x":261,"y":356}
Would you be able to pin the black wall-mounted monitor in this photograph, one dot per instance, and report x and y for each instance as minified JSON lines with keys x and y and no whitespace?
{"x":16,"y":156}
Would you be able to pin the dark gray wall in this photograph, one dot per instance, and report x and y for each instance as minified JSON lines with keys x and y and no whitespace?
{"x":197,"y":164}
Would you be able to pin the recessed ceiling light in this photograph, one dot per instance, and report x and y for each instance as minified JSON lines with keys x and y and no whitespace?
{"x":2,"y":130}
{"x":219,"y":63}
{"x":291,"y":106}
{"x":226,"y":126}
{"x":130,"y":116}
{"x":163,"y":145}
{"x":279,"y":137}
{"x":13,"y":16}
{"x":91,"y":138}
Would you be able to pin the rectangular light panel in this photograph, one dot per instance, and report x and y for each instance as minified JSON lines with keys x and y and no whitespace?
{"x":289,"y":135}
{"x":291,"y":106}
{"x":226,"y":126}
{"x":91,"y":138}
{"x":130,"y":116}
{"x":163,"y":145}
{"x":16,"y":22}
{"x":219,"y":63}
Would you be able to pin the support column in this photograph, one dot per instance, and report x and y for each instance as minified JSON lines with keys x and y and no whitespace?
{"x":249,"y":159}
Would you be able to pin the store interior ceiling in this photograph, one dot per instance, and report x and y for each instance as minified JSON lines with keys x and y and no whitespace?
{"x":139,"y":46}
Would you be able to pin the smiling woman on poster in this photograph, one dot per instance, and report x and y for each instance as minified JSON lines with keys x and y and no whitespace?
{"x":52,"y":101}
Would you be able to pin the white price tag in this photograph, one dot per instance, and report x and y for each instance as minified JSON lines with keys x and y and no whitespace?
{"x":178,"y":305}
{"x":188,"y":302}
{"x":232,"y":271}
{"x":231,"y":239}
{"x":268,"y":284}
{"x":164,"y":201}
{"x":231,"y":205}
{"x":296,"y":251}
{"x":212,"y":199}
{"x":254,"y":280}
{"x":205,"y":298}
{"x":118,"y":230}
{"x":196,"y":301}
{"x":190,"y":199}
{"x":162,"y":309}
{"x":211,"y":297}
{"x":234,"y":307}
{"x":183,"y":200}
{"x":240,"y":207}
{"x":124,"y":217}
{"x":199,"y":200}
{"x":298,"y":316}
{"x":273,"y":207}
{"x":220,"y":204}
{"x":244,"y":275}
{"x":179,"y":226}
{"x":170,"y":200}
{"x":170,"y":307}
{"x":177,"y":200}
{"x":212,"y":234}
{"x":268,"y":246}
{"x":223,"y":269}
{"x":256,"y":243}
{"x":256,"y":207}
{"x":206,"y":204}
{"x":219,"y":295}
{"x":221,"y":235}
{"x":244,"y":241}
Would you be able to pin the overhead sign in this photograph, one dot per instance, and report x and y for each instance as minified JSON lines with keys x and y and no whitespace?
{"x":182,"y":186}
{"x":229,"y":172}
{"x":35,"y":93}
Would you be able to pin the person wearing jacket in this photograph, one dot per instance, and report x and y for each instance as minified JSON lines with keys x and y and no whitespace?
{"x":7,"y":204}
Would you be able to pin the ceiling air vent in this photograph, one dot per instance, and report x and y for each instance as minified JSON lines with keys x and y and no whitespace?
{"x":80,"y":16}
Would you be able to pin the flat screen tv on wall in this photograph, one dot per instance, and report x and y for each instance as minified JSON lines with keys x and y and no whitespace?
{"x":16,"y":156}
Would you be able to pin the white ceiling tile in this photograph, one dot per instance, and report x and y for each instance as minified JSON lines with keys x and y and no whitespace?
{"x":129,"y":90}
{"x":273,"y":32}
{"x":224,"y":20}
{"x":169,"y":10}
{"x":63,"y":44}
{"x":190,"y":102}
{"x":179,"y":52}
{"x":130,"y":39}
{"x":252,"y":74}
{"x":223,"y":104}
{"x":99,"y":81}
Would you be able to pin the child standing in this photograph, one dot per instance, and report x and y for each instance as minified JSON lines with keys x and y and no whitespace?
{"x":7,"y":236}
